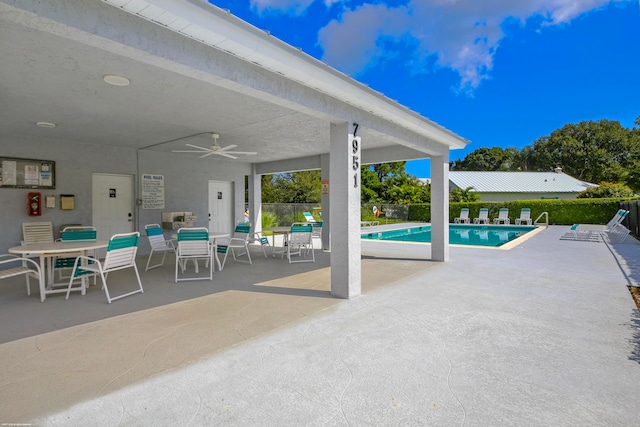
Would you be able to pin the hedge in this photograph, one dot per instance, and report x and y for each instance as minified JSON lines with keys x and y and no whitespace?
{"x":561,"y":212}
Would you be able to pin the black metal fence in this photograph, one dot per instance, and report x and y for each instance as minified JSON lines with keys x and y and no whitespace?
{"x":632,"y":221}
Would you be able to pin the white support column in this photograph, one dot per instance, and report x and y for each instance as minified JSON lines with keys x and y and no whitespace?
{"x":325,"y":202}
{"x":344,"y":195}
{"x":255,"y":200}
{"x":440,"y":208}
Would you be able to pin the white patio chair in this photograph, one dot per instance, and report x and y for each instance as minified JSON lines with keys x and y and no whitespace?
{"x":193,"y":244}
{"x":503,"y":217}
{"x":76,"y":233}
{"x":121,"y":254}
{"x":158,"y":244}
{"x":14,"y":265}
{"x":525,"y":217}
{"x":483,"y":217}
{"x":308,"y":217}
{"x":238,"y":242}
{"x":264,"y":243}
{"x":463,"y":218}
{"x":316,"y":232}
{"x":300,"y":243}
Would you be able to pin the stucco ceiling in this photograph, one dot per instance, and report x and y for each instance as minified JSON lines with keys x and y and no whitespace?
{"x":48,"y":76}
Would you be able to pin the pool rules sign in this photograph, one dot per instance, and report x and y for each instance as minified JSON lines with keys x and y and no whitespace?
{"x":152,"y":191}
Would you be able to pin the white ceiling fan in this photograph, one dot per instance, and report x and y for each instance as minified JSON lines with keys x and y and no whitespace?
{"x":216,"y":149}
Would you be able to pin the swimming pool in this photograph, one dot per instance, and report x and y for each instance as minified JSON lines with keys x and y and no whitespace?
{"x":459,"y":234}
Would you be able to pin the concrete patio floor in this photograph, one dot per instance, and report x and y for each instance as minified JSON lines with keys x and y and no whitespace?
{"x":545,"y":333}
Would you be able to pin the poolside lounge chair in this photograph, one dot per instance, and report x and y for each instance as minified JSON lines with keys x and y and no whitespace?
{"x":617,"y":234}
{"x":581,"y":235}
{"x":617,"y":219}
{"x":525,"y":217}
{"x":503,"y":217}
{"x":463,"y":218}
{"x":483,"y":217}
{"x":309,"y":217}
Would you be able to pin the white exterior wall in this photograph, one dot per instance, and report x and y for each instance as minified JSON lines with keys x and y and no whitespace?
{"x":186,"y":184}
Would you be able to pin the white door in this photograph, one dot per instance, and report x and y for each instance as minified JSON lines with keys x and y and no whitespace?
{"x":221,"y":206}
{"x":113,"y":204}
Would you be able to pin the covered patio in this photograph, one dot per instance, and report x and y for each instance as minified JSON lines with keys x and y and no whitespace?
{"x":123,"y":88}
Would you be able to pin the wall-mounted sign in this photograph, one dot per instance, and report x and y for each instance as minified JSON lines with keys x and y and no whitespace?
{"x":112,"y":192}
{"x":152,"y":191}
{"x":325,"y":186}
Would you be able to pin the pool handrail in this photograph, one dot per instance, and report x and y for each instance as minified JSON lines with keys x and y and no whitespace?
{"x":546,"y":222}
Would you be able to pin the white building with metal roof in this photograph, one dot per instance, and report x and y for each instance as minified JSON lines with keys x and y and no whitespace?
{"x":503,"y":186}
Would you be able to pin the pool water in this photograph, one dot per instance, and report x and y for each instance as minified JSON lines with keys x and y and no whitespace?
{"x":474,"y":235}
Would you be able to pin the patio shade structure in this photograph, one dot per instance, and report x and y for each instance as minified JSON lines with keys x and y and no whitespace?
{"x":142,"y":75}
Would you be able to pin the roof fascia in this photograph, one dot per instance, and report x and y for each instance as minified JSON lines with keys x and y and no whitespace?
{"x":219,"y":29}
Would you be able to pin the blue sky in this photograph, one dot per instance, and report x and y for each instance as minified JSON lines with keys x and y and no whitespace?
{"x":499,"y":73}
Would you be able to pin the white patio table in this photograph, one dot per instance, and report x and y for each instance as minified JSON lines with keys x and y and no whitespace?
{"x":47,"y":251}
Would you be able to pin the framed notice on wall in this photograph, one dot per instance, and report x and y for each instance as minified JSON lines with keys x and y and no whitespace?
{"x":152,"y":191}
{"x":27,"y":173}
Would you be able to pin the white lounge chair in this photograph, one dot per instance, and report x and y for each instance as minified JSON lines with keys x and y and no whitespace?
{"x":581,"y":235}
{"x":308,"y":217}
{"x":483,"y":217}
{"x":503,"y":217}
{"x":525,"y":217}
{"x":463,"y":218}
{"x":617,"y":219}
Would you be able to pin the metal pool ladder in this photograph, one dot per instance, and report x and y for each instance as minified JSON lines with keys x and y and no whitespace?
{"x":546,"y":219}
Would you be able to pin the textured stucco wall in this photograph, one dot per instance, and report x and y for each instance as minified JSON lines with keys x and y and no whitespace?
{"x":186,"y":183}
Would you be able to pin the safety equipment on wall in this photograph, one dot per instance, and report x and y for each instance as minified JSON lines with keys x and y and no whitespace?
{"x":34,"y":204}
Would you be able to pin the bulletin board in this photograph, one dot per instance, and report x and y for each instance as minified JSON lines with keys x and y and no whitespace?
{"x":27,"y":173}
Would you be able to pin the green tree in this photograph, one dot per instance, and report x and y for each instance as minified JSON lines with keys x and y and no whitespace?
{"x":390,"y":183}
{"x":295,"y":187}
{"x":466,"y":195}
{"x":606,"y":190}
{"x":489,"y":159}
{"x":591,"y":151}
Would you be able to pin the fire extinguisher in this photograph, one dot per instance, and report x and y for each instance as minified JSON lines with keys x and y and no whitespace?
{"x":34,"y":204}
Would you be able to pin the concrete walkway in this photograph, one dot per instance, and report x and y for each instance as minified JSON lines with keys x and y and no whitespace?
{"x":543,"y":334}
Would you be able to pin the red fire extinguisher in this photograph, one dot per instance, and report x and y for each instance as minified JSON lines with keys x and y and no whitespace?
{"x":34,"y":204}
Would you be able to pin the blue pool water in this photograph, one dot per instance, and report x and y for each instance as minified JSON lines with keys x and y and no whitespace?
{"x":475,"y":235}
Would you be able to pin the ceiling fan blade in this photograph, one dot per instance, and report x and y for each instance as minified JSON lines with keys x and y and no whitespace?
{"x":228,"y":147}
{"x":187,"y":151}
{"x":198,"y":147}
{"x":246,"y":153}
{"x":207,"y":154}
{"x":225,"y":155}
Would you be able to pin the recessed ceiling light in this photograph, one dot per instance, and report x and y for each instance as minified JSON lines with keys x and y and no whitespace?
{"x":116,"y":80}
{"x":46,"y":124}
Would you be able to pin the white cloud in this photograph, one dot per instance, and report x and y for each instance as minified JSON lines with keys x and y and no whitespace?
{"x":294,"y":7}
{"x":462,"y":35}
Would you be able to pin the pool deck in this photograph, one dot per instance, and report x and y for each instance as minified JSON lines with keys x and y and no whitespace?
{"x":545,"y":333}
